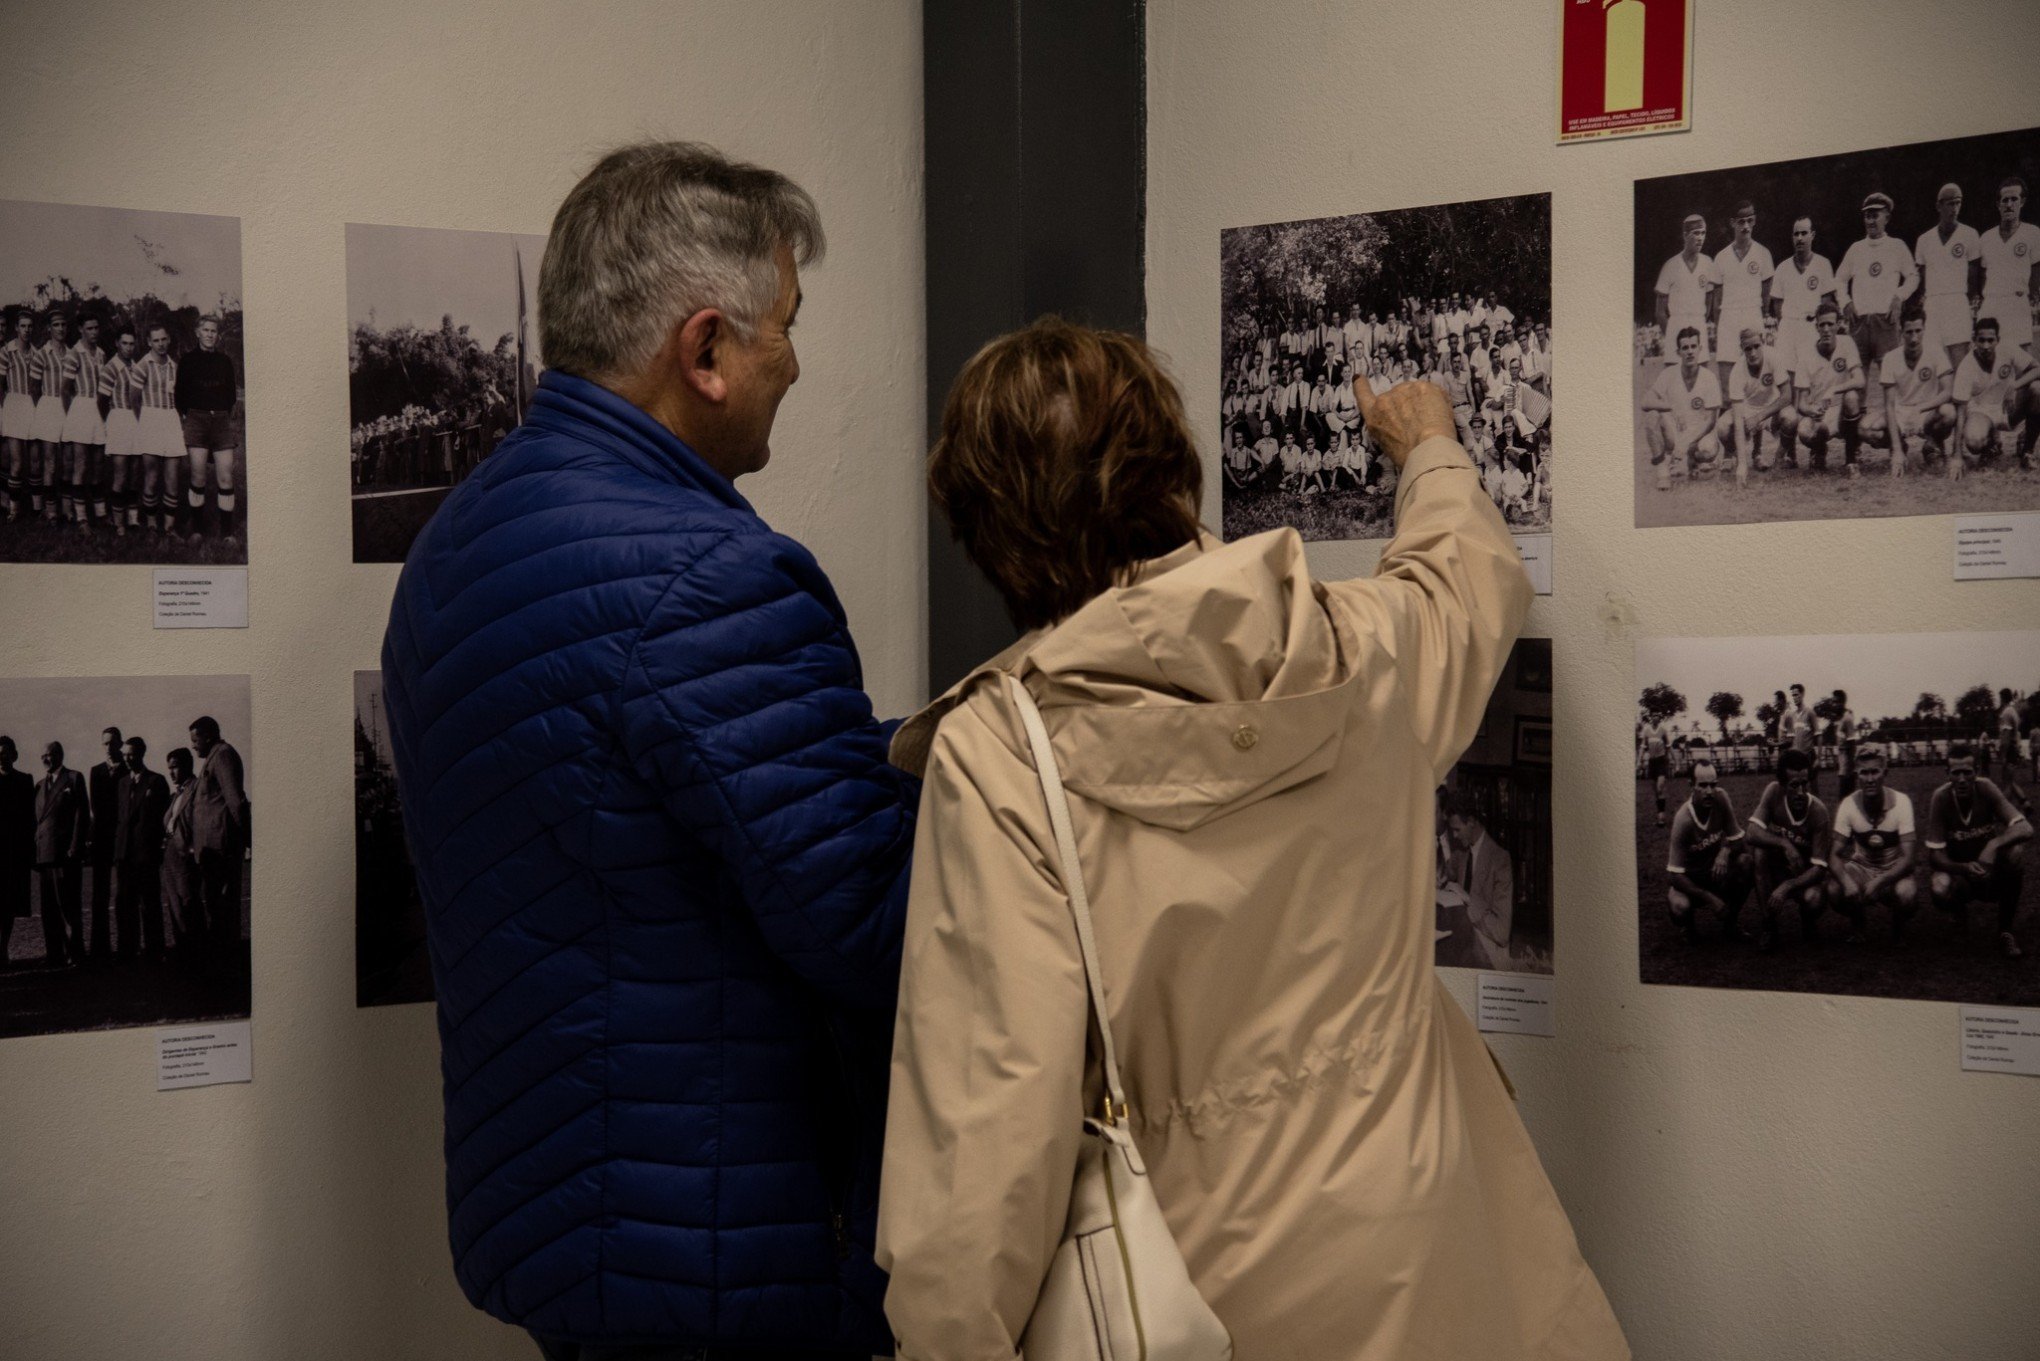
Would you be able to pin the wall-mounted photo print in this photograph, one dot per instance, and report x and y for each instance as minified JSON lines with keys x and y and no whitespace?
{"x":442,"y":361}
{"x":1494,"y":828}
{"x":390,"y":959}
{"x":1838,"y":337}
{"x":126,"y":841}
{"x":1456,"y":293}
{"x":122,"y":386}
{"x":1840,"y":814}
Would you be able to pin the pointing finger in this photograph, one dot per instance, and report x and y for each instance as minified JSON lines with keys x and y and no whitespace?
{"x":1363,"y":395}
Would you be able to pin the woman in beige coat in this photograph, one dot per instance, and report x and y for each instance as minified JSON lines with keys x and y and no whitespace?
{"x":1251,"y":756}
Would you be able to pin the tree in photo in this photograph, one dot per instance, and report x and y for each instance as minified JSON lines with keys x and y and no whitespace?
{"x":1661,"y":702}
{"x":1724,"y":706}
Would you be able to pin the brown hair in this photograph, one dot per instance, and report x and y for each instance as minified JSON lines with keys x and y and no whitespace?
{"x":1063,"y":460}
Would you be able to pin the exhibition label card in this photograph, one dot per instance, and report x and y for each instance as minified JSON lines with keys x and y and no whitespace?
{"x":201,"y":598}
{"x":1625,"y":68}
{"x":1535,"y":550}
{"x":2001,"y":1040}
{"x":1518,"y":1003}
{"x":1988,"y":547}
{"x":202,"y":1055}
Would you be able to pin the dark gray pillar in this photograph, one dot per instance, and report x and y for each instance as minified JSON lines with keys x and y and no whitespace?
{"x":1036,"y":186}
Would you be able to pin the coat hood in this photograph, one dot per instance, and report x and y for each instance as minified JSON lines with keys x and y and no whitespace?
{"x":1215,"y":679}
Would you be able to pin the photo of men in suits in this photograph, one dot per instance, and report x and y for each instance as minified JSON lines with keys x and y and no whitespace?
{"x":63,"y":822}
{"x":137,"y":910}
{"x":219,"y":833}
{"x":138,"y":847}
{"x":104,"y":781}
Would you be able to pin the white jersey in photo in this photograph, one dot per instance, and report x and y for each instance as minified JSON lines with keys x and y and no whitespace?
{"x":1753,"y":390}
{"x":1820,"y":374}
{"x":1944,"y":265}
{"x":1988,"y":389}
{"x":2008,"y":279}
{"x":1875,"y":274}
{"x":1916,"y":384}
{"x":1742,"y":290}
{"x":1684,"y":288}
{"x":1691,"y":406}
{"x":1874,"y":841}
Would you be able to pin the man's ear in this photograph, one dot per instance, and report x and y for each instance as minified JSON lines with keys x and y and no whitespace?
{"x":695,"y":350}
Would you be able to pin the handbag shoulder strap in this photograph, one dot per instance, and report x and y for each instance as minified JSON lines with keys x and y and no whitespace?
{"x":1073,"y":885}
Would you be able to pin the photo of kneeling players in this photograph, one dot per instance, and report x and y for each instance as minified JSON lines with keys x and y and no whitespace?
{"x":1838,"y":336}
{"x":1865,"y":830}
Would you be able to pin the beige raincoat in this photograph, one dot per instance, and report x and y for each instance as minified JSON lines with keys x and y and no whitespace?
{"x":1251,"y":757}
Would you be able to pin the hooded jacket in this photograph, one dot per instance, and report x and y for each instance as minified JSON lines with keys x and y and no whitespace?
{"x":1251,"y":757}
{"x":663,"y":861}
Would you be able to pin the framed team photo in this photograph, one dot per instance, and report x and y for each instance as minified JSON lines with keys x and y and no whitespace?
{"x":122,"y":386}
{"x":1839,"y":336}
{"x":126,"y":844}
{"x":442,"y":361}
{"x":1840,"y":815}
{"x":1494,"y":829}
{"x":390,"y":960}
{"x":1456,"y":293}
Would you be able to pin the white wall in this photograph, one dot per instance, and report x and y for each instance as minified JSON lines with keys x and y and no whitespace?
{"x":1752,"y":1174}
{"x":301,"y":1216}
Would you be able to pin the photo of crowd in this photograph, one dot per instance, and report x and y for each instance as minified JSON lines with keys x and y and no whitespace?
{"x":1457,"y":294}
{"x":442,"y":359}
{"x":1862,"y":830}
{"x":126,"y":837}
{"x":122,"y":386}
{"x":1839,"y":336}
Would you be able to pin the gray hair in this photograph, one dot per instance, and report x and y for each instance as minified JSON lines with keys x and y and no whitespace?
{"x":655,"y":233}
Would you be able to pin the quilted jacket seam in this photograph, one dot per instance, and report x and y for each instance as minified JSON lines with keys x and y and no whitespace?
{"x":693,"y":757}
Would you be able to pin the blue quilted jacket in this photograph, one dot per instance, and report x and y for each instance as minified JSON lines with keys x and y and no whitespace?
{"x":664,"y":866}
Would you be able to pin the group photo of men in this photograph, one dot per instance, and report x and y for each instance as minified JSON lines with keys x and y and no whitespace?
{"x":442,"y":361}
{"x":1839,"y":337}
{"x":122,"y":389}
{"x":1457,"y":294}
{"x":1863,"y":828}
{"x":126,"y":837}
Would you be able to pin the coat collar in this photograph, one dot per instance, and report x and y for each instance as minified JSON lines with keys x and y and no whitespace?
{"x":1213,"y":678}
{"x":591,"y":413}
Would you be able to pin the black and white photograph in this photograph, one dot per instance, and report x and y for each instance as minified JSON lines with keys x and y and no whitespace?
{"x":1494,"y":829}
{"x":1458,"y":294}
{"x":121,"y":431}
{"x":1839,"y":336}
{"x":390,"y":959}
{"x":442,"y":360}
{"x":1846,"y":814}
{"x":126,"y":841}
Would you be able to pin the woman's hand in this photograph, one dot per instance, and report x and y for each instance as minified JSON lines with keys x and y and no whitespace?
{"x":1405,"y":416}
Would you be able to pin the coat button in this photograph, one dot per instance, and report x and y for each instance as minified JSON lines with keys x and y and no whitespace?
{"x":1244,"y":737}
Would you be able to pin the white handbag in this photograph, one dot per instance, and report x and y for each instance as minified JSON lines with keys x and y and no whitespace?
{"x":1117,"y":1288}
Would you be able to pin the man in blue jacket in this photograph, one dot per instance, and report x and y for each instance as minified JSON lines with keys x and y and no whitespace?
{"x":662,"y":854}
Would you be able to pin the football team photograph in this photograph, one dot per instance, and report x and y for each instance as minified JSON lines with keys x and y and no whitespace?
{"x":1839,"y":337}
{"x":122,"y":386}
{"x":1840,"y":814}
{"x":442,"y":361}
{"x":126,"y":842}
{"x":1458,"y":294}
